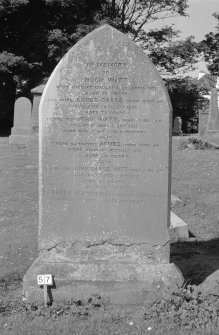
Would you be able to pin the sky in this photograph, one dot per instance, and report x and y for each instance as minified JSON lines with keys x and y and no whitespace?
{"x":199,"y":22}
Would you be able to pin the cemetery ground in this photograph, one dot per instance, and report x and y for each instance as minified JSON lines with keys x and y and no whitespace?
{"x":187,"y":311}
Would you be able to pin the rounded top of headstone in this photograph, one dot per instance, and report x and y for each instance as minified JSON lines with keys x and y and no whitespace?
{"x":105,"y":44}
{"x":22,"y":112}
{"x":23,"y":102}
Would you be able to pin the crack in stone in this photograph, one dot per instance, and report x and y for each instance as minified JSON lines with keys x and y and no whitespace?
{"x":90,"y":245}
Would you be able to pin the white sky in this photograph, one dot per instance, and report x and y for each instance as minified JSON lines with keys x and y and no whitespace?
{"x":199,"y":22}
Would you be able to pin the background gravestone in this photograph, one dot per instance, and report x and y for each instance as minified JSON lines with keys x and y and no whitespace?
{"x":33,"y":145}
{"x":104,"y":174}
{"x":20,"y":133}
{"x":212,"y":134}
{"x":177,"y":126}
{"x":37,"y":94}
{"x":214,"y":111}
{"x":203,"y":122}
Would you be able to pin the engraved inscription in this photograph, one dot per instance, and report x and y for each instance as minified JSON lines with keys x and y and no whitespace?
{"x":100,"y":111}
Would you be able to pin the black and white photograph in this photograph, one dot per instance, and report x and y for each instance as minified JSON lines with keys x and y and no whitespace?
{"x":109,"y":167}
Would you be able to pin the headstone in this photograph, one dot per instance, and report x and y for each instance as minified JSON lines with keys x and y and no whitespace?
{"x":33,"y":145}
{"x":177,"y":126}
{"x":203,"y":122}
{"x":20,"y":133}
{"x":214,"y":111}
{"x":37,"y":94}
{"x":105,"y":121}
{"x":212,"y":134}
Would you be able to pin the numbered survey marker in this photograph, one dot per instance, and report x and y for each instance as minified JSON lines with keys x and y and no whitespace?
{"x":44,"y":280}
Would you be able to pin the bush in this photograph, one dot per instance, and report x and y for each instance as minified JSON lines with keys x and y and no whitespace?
{"x":196,"y":144}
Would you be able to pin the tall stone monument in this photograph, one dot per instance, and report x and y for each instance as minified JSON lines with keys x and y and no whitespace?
{"x":105,"y":123}
{"x":212,"y":133}
{"x":213,"y":123}
{"x":203,"y":122}
{"x":20,"y":133}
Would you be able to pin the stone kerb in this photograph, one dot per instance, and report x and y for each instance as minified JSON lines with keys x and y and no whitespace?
{"x":105,"y":123}
{"x":20,"y":133}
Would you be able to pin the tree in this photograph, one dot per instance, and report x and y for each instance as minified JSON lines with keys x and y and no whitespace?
{"x":186,"y":95}
{"x":210,"y":48}
{"x":41,"y":31}
{"x":133,"y":17}
{"x":35,"y":34}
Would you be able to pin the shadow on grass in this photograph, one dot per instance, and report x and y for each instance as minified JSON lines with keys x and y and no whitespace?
{"x":196,"y":259}
{"x":11,"y":278}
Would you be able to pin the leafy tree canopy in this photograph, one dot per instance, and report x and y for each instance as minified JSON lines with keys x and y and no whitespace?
{"x":35,"y":34}
{"x":210,"y":47}
{"x":134,"y":16}
{"x":41,"y":31}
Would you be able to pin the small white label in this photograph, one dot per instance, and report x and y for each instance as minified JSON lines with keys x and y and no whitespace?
{"x":40,"y":280}
{"x":44,"y":280}
{"x":48,"y":279}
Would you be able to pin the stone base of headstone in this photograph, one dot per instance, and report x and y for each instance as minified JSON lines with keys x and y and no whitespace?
{"x":19,"y":135}
{"x":117,"y":277}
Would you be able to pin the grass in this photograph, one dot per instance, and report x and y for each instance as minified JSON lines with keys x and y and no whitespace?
{"x":194,"y":180}
{"x":184,"y":312}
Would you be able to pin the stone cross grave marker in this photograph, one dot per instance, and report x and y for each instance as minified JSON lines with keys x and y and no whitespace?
{"x":21,"y":131}
{"x":105,"y":121}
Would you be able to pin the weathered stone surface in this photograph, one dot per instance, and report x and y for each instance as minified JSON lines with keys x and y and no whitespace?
{"x":117,"y":283}
{"x":104,"y":170}
{"x":105,"y":119}
{"x":212,"y":134}
{"x":37,"y":94}
{"x":214,"y":111}
{"x":20,"y":133}
{"x":203,"y":123}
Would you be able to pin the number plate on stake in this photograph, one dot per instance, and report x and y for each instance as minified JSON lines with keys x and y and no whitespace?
{"x":44,"y":280}
{"x":40,"y":280}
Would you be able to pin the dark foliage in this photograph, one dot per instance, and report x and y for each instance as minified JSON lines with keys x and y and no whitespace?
{"x":210,"y":47}
{"x":186,"y":95}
